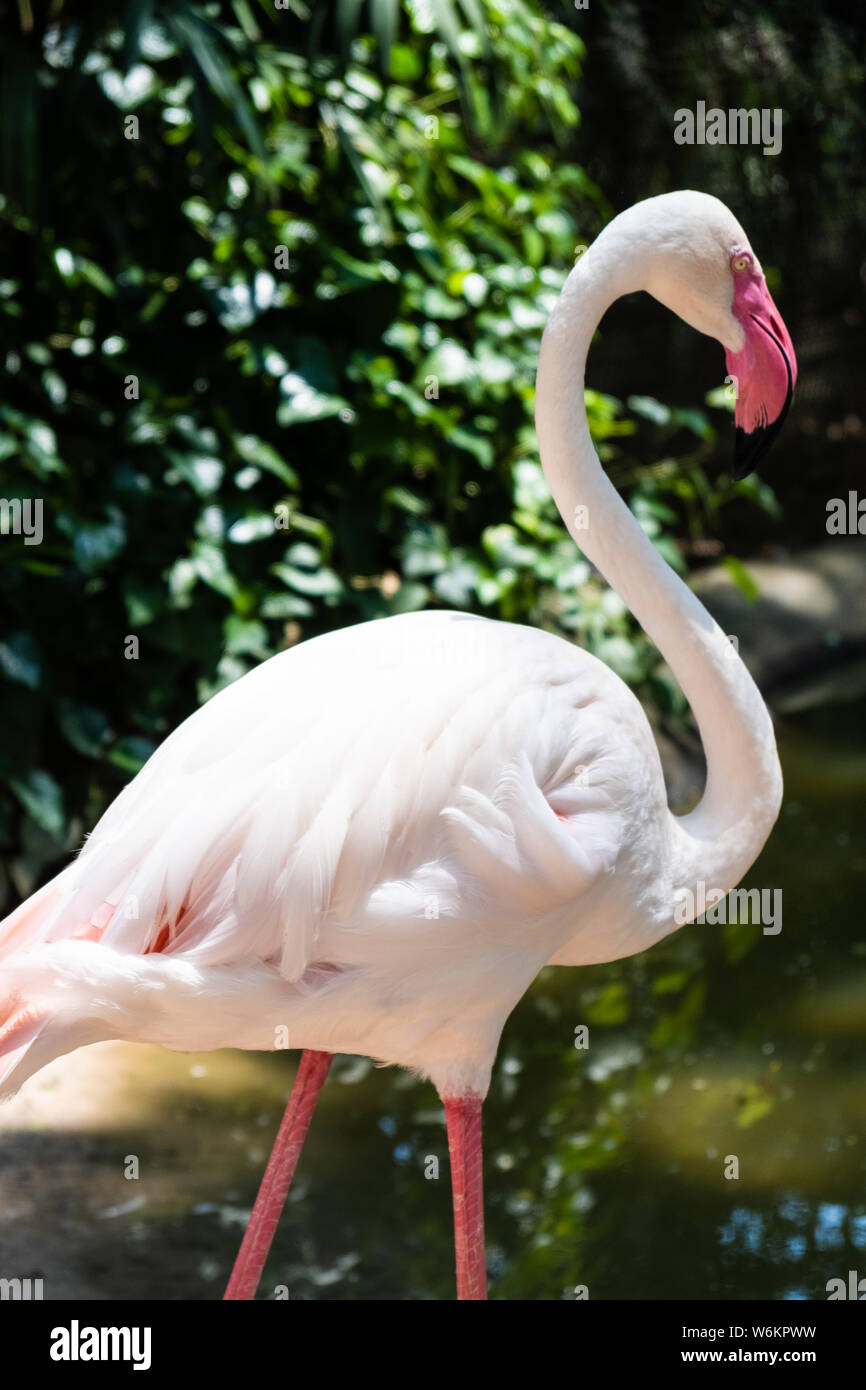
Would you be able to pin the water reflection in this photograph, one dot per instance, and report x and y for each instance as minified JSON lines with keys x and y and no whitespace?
{"x":605,"y":1167}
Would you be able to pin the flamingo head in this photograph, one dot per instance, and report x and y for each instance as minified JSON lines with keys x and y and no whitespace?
{"x":764,"y":371}
{"x":694,"y":257}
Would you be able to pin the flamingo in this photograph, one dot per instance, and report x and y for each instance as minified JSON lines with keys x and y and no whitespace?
{"x":373,"y":842}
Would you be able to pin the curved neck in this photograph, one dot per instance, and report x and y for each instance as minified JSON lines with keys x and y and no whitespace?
{"x":721,"y":838}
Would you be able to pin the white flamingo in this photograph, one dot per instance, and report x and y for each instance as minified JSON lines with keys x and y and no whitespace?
{"x":373,"y":842}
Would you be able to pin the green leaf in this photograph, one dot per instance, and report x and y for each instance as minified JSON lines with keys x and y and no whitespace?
{"x":609,"y":1007}
{"x":649,"y":408}
{"x":458,"y":584}
{"x":451,"y":363}
{"x":211,"y":567}
{"x":753,"y":1103}
{"x":96,"y":277}
{"x":20,"y":660}
{"x":42,"y":798}
{"x":741,"y":577}
{"x":202,"y":41}
{"x":407,"y":501}
{"x":321,"y":583}
{"x":385,"y":14}
{"x":263,"y":455}
{"x":739,"y":939}
{"x":95,"y":544}
{"x":203,"y":474}
{"x":84,"y":727}
{"x":286,"y":606}
{"x":406,"y":64}
{"x":474,"y":444}
{"x":439,"y":305}
{"x":258,"y":527}
{"x":671,"y":982}
{"x":246,"y":638}
{"x":675,"y":1030}
{"x":304,"y":403}
{"x":130,"y":754}
{"x":348,"y":15}
{"x":722,"y":398}
{"x":694,"y":420}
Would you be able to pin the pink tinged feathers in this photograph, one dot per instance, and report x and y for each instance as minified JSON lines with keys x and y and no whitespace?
{"x":764,"y":371}
{"x":21,"y":1025}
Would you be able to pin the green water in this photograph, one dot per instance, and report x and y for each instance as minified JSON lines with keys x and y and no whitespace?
{"x":605,"y":1168}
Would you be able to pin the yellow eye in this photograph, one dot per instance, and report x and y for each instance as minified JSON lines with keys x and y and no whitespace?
{"x":741,"y":263}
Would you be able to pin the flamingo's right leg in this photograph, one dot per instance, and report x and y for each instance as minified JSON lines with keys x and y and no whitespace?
{"x":463,"y":1118}
{"x":278,"y":1176}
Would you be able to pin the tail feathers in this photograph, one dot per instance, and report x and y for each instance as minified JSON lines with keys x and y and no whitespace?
{"x":17,"y":1035}
{"x":44,"y":1013}
{"x":47,"y":1038}
{"x":33,"y":1031}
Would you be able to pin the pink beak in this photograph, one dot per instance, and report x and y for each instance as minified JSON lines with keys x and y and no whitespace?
{"x":765,"y":371}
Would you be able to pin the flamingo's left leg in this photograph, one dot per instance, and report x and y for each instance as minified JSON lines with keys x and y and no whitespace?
{"x":463,"y":1118}
{"x":278,"y":1176}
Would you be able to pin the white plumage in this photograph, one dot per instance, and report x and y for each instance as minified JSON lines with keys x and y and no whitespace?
{"x":373,"y":842}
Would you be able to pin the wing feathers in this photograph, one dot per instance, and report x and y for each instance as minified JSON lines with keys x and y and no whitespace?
{"x":373,"y":776}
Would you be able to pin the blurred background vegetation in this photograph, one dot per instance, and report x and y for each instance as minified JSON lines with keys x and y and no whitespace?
{"x":272,"y":287}
{"x":172,"y":377}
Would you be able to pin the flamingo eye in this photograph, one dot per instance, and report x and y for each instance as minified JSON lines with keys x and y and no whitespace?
{"x":741,"y":261}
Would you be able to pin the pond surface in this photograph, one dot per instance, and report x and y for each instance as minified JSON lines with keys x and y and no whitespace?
{"x":605,"y":1167}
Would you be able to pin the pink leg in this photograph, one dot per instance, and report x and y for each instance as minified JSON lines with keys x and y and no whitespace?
{"x":265,"y":1217}
{"x":463,"y":1118}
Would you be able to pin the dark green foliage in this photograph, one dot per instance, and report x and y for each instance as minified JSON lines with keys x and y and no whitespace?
{"x":270,"y":349}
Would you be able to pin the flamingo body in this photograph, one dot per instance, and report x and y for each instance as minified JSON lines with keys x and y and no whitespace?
{"x":370,"y":844}
{"x":373,"y":842}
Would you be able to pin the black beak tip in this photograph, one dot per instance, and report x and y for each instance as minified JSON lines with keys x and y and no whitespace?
{"x":749,"y":449}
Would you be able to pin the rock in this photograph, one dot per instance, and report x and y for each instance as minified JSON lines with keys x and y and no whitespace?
{"x":804,"y":636}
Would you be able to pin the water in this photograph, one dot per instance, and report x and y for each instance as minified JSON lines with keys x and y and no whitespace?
{"x":605,"y":1168}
